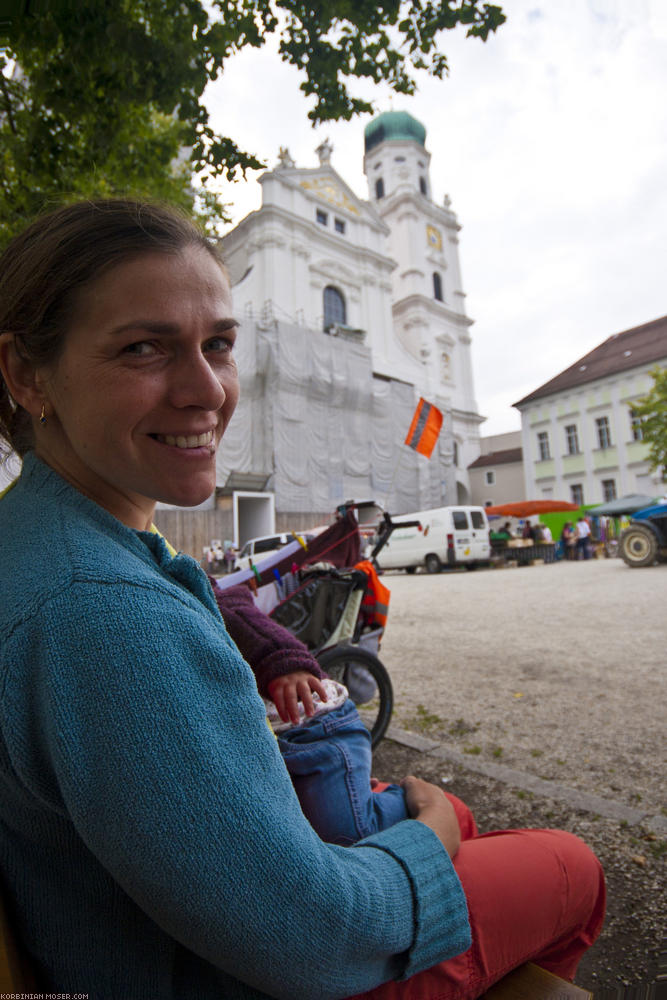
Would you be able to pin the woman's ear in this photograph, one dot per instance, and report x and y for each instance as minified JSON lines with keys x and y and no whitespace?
{"x":24,"y":384}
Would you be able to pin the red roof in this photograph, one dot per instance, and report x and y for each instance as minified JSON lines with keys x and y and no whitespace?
{"x":503,"y":457}
{"x":631,"y":349}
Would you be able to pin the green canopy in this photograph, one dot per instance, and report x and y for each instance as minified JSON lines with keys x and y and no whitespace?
{"x":624,"y":505}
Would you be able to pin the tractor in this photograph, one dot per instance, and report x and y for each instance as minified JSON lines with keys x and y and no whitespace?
{"x":645,"y":540}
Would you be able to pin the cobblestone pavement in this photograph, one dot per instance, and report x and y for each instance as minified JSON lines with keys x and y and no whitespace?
{"x":556,"y":671}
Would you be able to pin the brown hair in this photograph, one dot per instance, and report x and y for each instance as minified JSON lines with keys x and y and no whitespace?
{"x":45,"y":267}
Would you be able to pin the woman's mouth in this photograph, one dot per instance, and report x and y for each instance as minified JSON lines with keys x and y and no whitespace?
{"x":186,"y":440}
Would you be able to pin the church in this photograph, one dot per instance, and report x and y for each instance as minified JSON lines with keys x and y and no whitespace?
{"x":350,"y":311}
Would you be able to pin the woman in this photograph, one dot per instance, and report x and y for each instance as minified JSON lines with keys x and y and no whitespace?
{"x":151,"y":844}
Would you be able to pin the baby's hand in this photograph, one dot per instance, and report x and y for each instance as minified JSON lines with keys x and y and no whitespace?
{"x":287,"y":691}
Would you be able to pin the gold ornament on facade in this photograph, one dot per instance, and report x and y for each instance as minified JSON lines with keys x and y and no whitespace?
{"x":434,"y":237}
{"x":330,"y":192}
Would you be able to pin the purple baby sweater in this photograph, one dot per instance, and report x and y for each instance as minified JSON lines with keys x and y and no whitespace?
{"x":269,"y":649}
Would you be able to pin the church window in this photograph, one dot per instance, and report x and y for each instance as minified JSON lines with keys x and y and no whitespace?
{"x":437,"y":286}
{"x":339,"y":225}
{"x":399,"y":159}
{"x":422,"y":186}
{"x":334,"y":307}
{"x":379,"y":188}
{"x":321,"y":217}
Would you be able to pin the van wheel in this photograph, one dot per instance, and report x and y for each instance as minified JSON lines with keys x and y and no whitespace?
{"x":432,"y":563}
{"x":411,"y":569}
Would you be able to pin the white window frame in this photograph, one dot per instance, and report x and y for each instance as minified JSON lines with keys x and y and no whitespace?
{"x":572,"y":439}
{"x":603,"y":431}
{"x":543,"y":446}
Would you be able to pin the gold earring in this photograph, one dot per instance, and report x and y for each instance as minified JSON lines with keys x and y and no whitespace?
{"x":42,"y":416}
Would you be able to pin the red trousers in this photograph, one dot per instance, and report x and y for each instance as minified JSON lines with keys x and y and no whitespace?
{"x":533,"y":896}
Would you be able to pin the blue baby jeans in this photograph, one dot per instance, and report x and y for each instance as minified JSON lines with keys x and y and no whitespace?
{"x":329,"y":761}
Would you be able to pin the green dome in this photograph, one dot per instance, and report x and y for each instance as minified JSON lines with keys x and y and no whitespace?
{"x":395,"y":126}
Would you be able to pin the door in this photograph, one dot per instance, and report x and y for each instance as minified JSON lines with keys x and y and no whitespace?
{"x":481,"y":546}
{"x":463,"y":539}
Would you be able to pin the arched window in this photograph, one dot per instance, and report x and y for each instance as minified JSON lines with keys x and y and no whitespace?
{"x":422,"y":186}
{"x":334,"y":307}
{"x":379,"y":188}
{"x":437,"y":286}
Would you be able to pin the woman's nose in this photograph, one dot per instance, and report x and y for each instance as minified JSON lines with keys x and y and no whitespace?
{"x":195,"y":383}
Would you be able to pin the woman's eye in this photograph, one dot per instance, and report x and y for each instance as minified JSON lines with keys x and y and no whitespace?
{"x":218,"y":345}
{"x":140,"y":349}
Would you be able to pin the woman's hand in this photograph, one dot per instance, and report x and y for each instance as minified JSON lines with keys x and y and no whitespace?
{"x":290,"y":689}
{"x":429,"y":804}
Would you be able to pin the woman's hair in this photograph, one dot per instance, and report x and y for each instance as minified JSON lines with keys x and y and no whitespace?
{"x":44,"y":269}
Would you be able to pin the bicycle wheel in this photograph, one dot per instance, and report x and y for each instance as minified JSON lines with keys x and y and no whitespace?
{"x":367,"y":680}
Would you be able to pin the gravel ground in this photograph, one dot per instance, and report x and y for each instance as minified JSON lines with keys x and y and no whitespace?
{"x":538,"y":693}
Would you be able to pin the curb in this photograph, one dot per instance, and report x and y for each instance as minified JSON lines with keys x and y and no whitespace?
{"x":572,"y":797}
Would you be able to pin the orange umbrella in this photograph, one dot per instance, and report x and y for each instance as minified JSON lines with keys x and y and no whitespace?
{"x":524,"y":508}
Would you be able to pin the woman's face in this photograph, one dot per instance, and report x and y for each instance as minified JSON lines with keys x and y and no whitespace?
{"x":145,"y":386}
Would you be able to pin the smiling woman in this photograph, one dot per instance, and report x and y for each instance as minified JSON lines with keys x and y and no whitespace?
{"x":151,"y":841}
{"x":133,"y":401}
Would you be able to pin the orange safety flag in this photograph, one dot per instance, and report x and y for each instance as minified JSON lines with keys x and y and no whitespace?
{"x":375,"y":603}
{"x":424,"y":428}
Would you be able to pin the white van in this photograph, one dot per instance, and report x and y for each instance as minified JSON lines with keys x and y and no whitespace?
{"x":447,"y":536}
{"x":256,"y":549}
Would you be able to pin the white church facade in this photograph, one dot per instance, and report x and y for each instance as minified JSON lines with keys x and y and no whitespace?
{"x":350,"y":310}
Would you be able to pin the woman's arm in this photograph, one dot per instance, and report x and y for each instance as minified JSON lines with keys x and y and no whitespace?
{"x":171,"y":776}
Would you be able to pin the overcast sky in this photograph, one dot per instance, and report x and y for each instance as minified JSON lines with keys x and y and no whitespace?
{"x":550,"y":139}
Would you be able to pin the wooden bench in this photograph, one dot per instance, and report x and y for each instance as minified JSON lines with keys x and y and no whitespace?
{"x":530,"y":982}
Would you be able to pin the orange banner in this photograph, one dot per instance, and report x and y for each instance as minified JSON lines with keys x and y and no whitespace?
{"x":425,"y":428}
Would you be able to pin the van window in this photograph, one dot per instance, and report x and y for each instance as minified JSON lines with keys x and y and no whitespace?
{"x":477,"y":518}
{"x":268,"y":544}
{"x":460,"y":520}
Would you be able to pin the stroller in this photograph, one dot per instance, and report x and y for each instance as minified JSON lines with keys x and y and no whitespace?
{"x":332,"y":600}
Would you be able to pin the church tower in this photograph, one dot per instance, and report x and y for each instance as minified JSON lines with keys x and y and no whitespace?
{"x":428,"y":300}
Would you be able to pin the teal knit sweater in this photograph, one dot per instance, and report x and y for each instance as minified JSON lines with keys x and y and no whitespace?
{"x":151,"y":844}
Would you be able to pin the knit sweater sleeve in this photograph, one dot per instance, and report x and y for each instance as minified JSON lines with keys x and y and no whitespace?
{"x":270,"y":650}
{"x":162,"y":759}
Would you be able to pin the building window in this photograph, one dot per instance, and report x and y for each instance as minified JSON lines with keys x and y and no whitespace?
{"x":543,"y":446}
{"x":334,"y":307}
{"x":437,"y":286}
{"x":321,"y":217}
{"x":603,"y":431}
{"x":636,"y":427}
{"x":608,"y":490}
{"x":456,"y":454}
{"x":422,"y":186}
{"x":339,"y":225}
{"x":572,"y":439}
{"x":379,"y":188}
{"x":577,"y":493}
{"x":490,"y":477}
